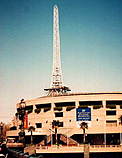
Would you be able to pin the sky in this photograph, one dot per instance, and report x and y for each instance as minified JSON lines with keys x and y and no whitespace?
{"x":91,"y":48}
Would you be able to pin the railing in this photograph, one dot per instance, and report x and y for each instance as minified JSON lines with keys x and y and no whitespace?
{"x":105,"y":146}
{"x":77,"y":149}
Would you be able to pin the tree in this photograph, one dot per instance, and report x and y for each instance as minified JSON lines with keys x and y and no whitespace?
{"x":84,"y":126}
{"x":31,"y":129}
{"x":55,"y":125}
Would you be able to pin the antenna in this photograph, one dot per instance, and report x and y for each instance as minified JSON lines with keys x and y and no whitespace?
{"x":57,"y":87}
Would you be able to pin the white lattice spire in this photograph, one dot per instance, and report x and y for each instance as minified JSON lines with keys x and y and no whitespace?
{"x":56,"y":80}
{"x":56,"y":87}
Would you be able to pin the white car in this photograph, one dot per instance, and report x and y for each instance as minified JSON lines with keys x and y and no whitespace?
{"x":2,"y":156}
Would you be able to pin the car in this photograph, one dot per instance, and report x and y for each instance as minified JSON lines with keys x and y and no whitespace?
{"x":3,"y":149}
{"x":2,"y":156}
{"x":12,"y":143}
{"x":35,"y":156}
{"x":0,"y":148}
{"x":25,"y":156}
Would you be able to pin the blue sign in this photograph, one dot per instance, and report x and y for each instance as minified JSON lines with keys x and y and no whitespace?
{"x":83,"y":114}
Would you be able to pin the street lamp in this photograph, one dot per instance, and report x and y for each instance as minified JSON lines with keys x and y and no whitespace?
{"x":22,"y":105}
{"x":1,"y":131}
{"x":21,"y":112}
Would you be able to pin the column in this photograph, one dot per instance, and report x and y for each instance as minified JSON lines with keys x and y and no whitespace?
{"x":104,"y":119}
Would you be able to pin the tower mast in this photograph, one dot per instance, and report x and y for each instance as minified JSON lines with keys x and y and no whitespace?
{"x":57,"y":72}
{"x":57,"y":87}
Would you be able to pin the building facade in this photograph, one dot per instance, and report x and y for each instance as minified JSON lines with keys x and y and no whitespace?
{"x":105,"y":127}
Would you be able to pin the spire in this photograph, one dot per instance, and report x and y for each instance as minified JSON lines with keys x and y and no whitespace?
{"x":57,"y":87}
{"x":56,"y":80}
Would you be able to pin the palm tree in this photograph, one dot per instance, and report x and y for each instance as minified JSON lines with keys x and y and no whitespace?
{"x":84,"y":126}
{"x":31,"y":129}
{"x":55,"y":125}
{"x":120,"y":119}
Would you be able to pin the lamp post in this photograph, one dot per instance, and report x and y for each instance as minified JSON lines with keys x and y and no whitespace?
{"x":22,"y":106}
{"x":120,"y":123}
{"x":1,"y":131}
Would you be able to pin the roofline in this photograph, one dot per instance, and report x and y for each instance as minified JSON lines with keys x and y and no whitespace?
{"x":82,"y":93}
{"x":73,"y":94}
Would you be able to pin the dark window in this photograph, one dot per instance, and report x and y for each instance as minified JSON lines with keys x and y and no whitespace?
{"x":13,"y":128}
{"x":112,"y":104}
{"x":29,"y":107}
{"x":95,"y":104}
{"x":60,"y":124}
{"x":64,"y":104}
{"x":59,"y":114}
{"x":58,"y":109}
{"x":110,"y":112}
{"x":47,"y":109}
{"x":43,"y":105}
{"x":111,"y":123}
{"x":69,"y":108}
{"x":38,"y":125}
{"x":115,"y":102}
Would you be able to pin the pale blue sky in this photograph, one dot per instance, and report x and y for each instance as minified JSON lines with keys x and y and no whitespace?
{"x":91,"y":48}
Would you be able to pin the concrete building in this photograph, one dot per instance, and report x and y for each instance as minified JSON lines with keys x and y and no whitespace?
{"x":104,"y":129}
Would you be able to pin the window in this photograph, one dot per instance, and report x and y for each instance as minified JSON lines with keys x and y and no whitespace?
{"x":115,"y":102}
{"x":58,"y":109}
{"x":38,"y":125}
{"x":69,"y":108}
{"x":60,"y":124}
{"x":65,"y":104}
{"x":13,"y":128}
{"x":29,"y":107}
{"x":59,"y":114}
{"x":95,"y":104}
{"x":48,"y":105}
{"x":112,"y":104}
{"x":111,"y":123}
{"x":111,"y":112}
